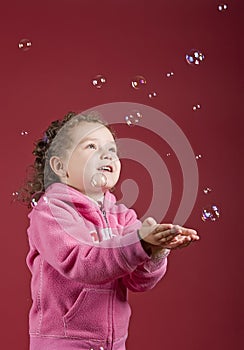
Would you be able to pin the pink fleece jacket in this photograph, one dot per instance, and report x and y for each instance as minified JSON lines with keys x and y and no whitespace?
{"x":83,"y":258}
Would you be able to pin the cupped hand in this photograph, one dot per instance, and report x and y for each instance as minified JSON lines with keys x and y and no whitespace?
{"x":157,"y":234}
{"x":167,"y":236}
{"x":183,"y":237}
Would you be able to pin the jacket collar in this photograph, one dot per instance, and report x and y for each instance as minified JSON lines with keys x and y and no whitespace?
{"x":74,"y":197}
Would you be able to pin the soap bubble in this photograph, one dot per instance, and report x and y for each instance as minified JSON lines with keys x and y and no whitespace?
{"x":195,"y":107}
{"x":210,"y":213}
{"x":207,"y":190}
{"x":169,"y":74}
{"x":34,"y":203}
{"x":152,"y":94}
{"x":25,"y":44}
{"x":24,"y":133}
{"x":99,"y":180}
{"x":138,"y":82}
{"x":198,"y":156}
{"x":222,"y":7}
{"x":16,"y":196}
{"x":99,"y":81}
{"x":194,"y":57}
{"x":133,"y":118}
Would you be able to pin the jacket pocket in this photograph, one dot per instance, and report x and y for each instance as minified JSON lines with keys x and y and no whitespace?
{"x":88,"y":318}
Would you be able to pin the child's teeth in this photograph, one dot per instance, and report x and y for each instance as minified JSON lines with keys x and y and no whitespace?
{"x":106,"y":168}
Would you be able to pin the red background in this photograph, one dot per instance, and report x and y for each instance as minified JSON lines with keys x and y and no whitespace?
{"x":199,"y":304}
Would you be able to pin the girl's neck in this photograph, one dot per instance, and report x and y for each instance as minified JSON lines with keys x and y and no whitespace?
{"x":96,"y":197}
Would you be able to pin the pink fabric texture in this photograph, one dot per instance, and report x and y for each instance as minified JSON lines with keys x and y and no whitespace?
{"x":83,"y":258}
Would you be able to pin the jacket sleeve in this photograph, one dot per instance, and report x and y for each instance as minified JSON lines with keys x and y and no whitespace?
{"x":60,"y":247}
{"x":146,"y":275}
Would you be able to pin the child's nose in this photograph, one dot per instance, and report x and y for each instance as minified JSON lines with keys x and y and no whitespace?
{"x":107,"y":155}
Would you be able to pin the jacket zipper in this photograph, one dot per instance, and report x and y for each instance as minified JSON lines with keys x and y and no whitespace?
{"x":108,"y":230}
{"x":104,"y":215}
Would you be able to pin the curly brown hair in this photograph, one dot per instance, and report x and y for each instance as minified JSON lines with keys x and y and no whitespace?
{"x":56,"y":141}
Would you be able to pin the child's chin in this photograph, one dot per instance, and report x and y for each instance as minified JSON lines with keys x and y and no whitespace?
{"x":110,"y":185}
{"x":106,"y":188}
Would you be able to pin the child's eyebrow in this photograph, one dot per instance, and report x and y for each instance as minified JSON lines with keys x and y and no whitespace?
{"x":87,"y":139}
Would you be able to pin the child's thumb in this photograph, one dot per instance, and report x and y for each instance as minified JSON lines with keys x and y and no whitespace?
{"x":150,"y":221}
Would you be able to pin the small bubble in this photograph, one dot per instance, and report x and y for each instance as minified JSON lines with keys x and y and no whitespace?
{"x":15,"y":194}
{"x":138,"y":82}
{"x":196,"y":107}
{"x":198,"y":156}
{"x":35,"y":198}
{"x":207,"y":190}
{"x":194,"y":57}
{"x":210,"y":213}
{"x":133,"y":118}
{"x":99,"y":81}
{"x":99,"y":180}
{"x":169,"y":74}
{"x":25,"y":44}
{"x":222,"y":7}
{"x":152,"y":94}
{"x":168,"y":154}
{"x":24,"y":133}
{"x":34,"y":203}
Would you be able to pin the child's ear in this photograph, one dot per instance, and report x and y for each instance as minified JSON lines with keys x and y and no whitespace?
{"x":57,"y":166}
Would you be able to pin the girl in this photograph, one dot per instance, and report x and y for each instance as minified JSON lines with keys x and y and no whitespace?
{"x":85,"y":250}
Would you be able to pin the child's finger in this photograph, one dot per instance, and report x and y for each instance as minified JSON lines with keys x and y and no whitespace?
{"x":150,"y":221}
{"x":166,"y":239}
{"x":176,"y":230}
{"x":181,"y":241}
{"x":177,"y":243}
{"x":187,"y":231}
{"x":165,"y":236}
{"x":163,"y":227}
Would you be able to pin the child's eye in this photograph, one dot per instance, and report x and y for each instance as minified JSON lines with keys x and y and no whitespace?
{"x":113,"y":149}
{"x":91,"y":146}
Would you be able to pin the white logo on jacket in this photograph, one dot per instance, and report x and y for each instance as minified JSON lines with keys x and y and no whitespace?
{"x":105,"y":233}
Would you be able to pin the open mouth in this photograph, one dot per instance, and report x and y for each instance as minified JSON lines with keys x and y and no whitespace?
{"x":106,"y":168}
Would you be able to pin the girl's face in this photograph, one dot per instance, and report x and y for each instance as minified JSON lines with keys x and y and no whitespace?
{"x":94,"y":153}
